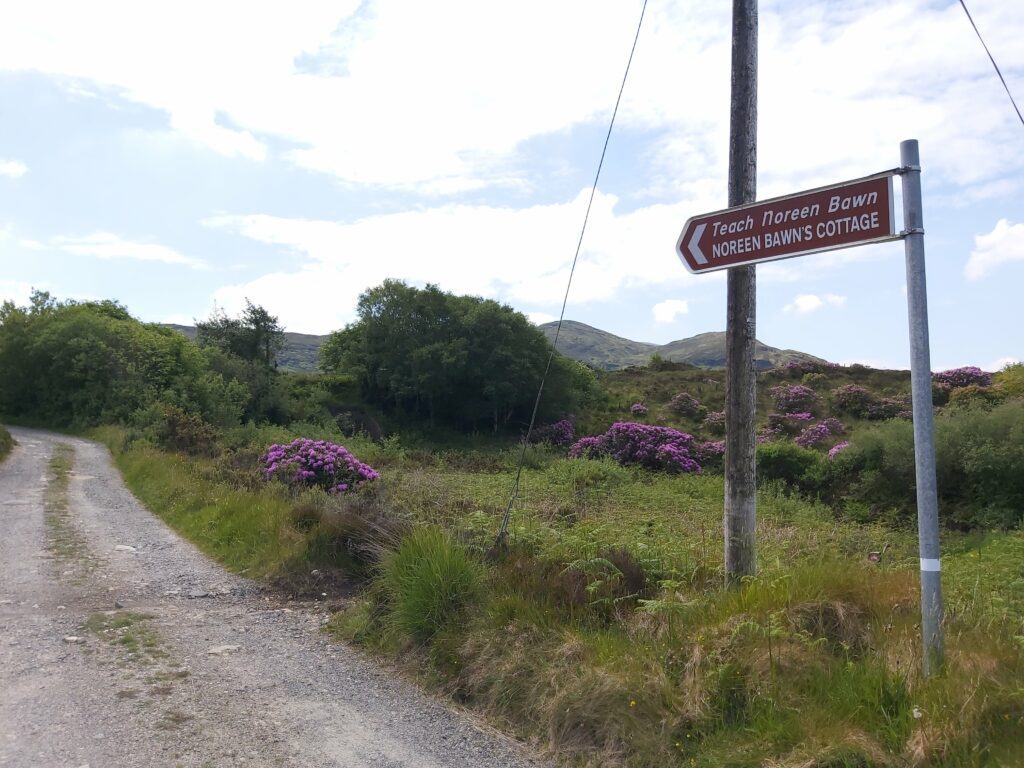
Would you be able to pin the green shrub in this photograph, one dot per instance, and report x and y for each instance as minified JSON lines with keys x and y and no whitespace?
{"x":175,"y":429}
{"x":1010,"y":380}
{"x":979,"y":467}
{"x":974,"y":395}
{"x":801,"y":468}
{"x":6,"y":442}
{"x":356,"y":529}
{"x":428,"y":582}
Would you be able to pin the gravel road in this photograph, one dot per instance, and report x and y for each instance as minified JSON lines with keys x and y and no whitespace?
{"x":122,"y":645}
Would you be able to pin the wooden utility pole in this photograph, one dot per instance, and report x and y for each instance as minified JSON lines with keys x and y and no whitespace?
{"x":740,"y":328}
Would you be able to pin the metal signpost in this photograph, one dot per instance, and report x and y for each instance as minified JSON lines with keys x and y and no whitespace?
{"x":840,"y":216}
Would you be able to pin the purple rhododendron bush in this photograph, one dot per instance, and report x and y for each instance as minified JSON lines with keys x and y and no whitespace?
{"x":641,"y":445}
{"x":962,"y":377}
{"x":561,"y":433}
{"x":790,"y":398}
{"x":317,"y":463}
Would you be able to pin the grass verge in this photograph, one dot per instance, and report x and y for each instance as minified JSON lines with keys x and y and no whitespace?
{"x":65,"y":541}
{"x":603,"y":636}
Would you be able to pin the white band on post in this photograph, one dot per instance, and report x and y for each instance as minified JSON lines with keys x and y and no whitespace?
{"x":930,"y":565}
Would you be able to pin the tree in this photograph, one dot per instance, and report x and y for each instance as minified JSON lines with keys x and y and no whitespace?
{"x":244,"y":349}
{"x":462,"y":360}
{"x":256,"y":336}
{"x":71,"y":363}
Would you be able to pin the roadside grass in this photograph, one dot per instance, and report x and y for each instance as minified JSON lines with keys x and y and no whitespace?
{"x":129,"y":631}
{"x":65,"y":541}
{"x":6,"y":443}
{"x":603,"y":634}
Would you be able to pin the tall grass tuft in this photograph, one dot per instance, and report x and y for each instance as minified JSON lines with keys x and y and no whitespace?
{"x":428,"y":582}
{"x":6,"y":443}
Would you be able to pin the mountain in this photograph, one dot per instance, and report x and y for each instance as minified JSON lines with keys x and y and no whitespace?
{"x":577,"y":340}
{"x":610,"y":352}
{"x":298,"y":354}
{"x":596,"y":347}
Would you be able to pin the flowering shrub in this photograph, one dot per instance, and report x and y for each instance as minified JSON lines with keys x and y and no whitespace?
{"x":791,"y":398}
{"x":818,"y":433}
{"x":961,"y":377}
{"x":794,"y":369}
{"x":864,"y":404}
{"x":561,"y":433}
{"x":642,"y":445}
{"x":714,"y":422}
{"x":888,"y":408}
{"x":787,"y":422}
{"x":835,"y":426}
{"x":853,"y":399}
{"x":317,"y":463}
{"x":638,"y":409}
{"x":768,"y":435}
{"x":686,"y":404}
{"x":710,"y":454}
{"x":838,"y":448}
{"x":587,"y":448}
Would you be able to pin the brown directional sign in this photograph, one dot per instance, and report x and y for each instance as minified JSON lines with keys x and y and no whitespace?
{"x":838,"y":216}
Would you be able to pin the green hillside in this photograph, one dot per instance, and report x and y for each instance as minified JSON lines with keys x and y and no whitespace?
{"x":299,"y":352}
{"x":595,"y":347}
{"x":610,"y":352}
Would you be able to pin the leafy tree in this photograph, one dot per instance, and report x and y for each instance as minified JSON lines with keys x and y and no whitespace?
{"x":463,"y":360}
{"x":244,"y":350}
{"x":256,"y":336}
{"x":92,"y":362}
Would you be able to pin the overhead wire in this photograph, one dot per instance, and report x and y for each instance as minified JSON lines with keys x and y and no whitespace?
{"x":503,"y":531}
{"x":990,"y":58}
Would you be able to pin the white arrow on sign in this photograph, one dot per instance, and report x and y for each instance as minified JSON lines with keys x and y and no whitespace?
{"x":694,"y":244}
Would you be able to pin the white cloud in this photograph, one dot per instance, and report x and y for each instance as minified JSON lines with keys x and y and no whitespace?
{"x":539,"y":318}
{"x":441,"y":96}
{"x":1004,"y":244}
{"x":12,"y":168}
{"x":806,"y":303}
{"x":666,"y":311}
{"x":1002,"y":362}
{"x":105,"y":245}
{"x":16,"y":291}
{"x":522,"y":256}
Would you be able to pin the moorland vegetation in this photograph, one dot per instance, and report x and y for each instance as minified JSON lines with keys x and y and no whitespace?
{"x":601,"y":631}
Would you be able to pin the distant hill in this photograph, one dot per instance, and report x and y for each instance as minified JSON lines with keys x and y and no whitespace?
{"x":299,"y":352}
{"x":579,"y":341}
{"x":610,"y":352}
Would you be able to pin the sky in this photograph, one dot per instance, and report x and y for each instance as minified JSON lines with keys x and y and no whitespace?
{"x":181,"y":157}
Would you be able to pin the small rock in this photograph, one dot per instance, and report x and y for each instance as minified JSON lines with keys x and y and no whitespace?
{"x":124,"y":548}
{"x":118,"y":605}
{"x":315,"y":573}
{"x":198,"y":593}
{"x":220,"y":650}
{"x":74,"y":639}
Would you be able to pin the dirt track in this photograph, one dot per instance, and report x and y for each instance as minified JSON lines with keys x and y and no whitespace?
{"x":122,"y":645}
